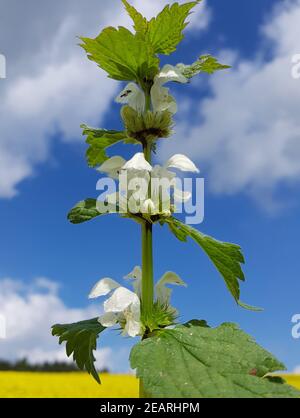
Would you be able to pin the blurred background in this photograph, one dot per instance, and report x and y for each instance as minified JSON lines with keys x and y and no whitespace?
{"x":241,"y":126}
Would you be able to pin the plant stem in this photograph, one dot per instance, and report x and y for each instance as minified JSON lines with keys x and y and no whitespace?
{"x":147,"y":271}
{"x":147,"y":295}
{"x":147,"y":260}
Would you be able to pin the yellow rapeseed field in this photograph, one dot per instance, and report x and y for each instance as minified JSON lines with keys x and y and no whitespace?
{"x":66,"y":385}
{"x":76,"y":385}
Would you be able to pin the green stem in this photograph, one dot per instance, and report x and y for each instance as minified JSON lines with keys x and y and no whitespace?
{"x":147,"y":271}
{"x":147,"y":295}
{"x":147,"y":260}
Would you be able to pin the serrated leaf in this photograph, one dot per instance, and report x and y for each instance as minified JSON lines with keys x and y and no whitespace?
{"x":199,"y":362}
{"x":86,"y":210}
{"x":226,"y":257}
{"x":140,"y":22}
{"x":205,"y":64}
{"x":99,"y":140}
{"x":123,"y":55}
{"x":81,"y":340}
{"x":165,"y":31}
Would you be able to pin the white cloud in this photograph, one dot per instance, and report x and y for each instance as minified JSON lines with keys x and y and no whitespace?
{"x":30,"y":310}
{"x":50,"y":84}
{"x":246,"y":135}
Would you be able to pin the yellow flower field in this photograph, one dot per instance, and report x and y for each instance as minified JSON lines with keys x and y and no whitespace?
{"x":75,"y":385}
{"x":66,"y":385}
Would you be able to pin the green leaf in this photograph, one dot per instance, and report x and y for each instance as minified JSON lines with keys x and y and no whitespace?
{"x":165,"y":31}
{"x":122,"y":55}
{"x":140,"y":22}
{"x":196,"y":322}
{"x":205,"y":64}
{"x":226,"y":257}
{"x":86,"y":210}
{"x":81,"y":341}
{"x":198,"y":362}
{"x":99,"y":140}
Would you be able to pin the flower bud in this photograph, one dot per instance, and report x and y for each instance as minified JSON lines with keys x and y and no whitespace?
{"x":149,"y":125}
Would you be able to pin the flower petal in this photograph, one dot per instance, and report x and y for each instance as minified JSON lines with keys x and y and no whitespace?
{"x":163,"y":293}
{"x":108,"y":319}
{"x":181,"y":162}
{"x":136,"y":273}
{"x":137,"y":162}
{"x":162,"y":100}
{"x":103,"y":287}
{"x":136,"y":276}
{"x":132,"y":328}
{"x":133,"y":319}
{"x":134,"y":96}
{"x":171,"y":278}
{"x":149,"y":207}
{"x":112,"y":166}
{"x":120,"y":300}
{"x":170,"y":73}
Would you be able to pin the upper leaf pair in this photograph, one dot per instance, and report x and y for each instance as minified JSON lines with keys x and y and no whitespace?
{"x":127,"y":56}
{"x":165,"y":31}
{"x":122,"y":55}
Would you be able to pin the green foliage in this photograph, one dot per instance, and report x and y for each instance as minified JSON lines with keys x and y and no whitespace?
{"x":86,"y":210}
{"x":99,"y":140}
{"x":205,"y":64}
{"x":140,"y":22}
{"x":194,"y":361}
{"x":81,"y":341}
{"x":122,"y":55}
{"x":164,"y":32}
{"x":226,"y":257}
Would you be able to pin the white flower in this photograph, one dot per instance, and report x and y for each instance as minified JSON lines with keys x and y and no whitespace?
{"x":161,"y":99}
{"x":132,"y":317}
{"x":160,"y":96}
{"x":137,"y":162}
{"x":120,"y":300}
{"x":123,"y":306}
{"x":139,"y":173}
{"x":163,"y":293}
{"x":136,"y":276}
{"x":133,"y":96}
{"x":112,"y":166}
{"x":170,"y":73}
{"x":181,"y":162}
{"x":103,"y":288}
{"x":149,"y":207}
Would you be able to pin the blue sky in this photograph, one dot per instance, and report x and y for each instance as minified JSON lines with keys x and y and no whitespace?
{"x":254,"y":205}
